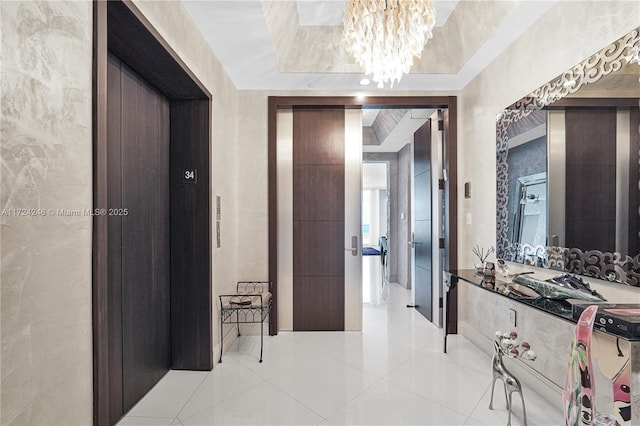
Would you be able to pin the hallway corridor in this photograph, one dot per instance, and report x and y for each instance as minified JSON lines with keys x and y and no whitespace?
{"x":393,"y":373}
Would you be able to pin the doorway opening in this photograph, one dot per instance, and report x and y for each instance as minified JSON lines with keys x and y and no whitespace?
{"x":407,"y":143}
{"x":283,"y":143}
{"x":375,"y":232}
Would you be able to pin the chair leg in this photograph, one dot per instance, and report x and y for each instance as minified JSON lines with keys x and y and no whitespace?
{"x":238,"y":323}
{"x":510,"y":406}
{"x":261,"y":339}
{"x":221,"y":338}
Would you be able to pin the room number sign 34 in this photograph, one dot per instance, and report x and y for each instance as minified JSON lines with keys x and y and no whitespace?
{"x":189,"y":176}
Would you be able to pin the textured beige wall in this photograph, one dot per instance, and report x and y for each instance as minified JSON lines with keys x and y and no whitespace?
{"x":253,"y":194}
{"x":46,"y":163}
{"x":568,"y":33}
{"x":46,"y":260}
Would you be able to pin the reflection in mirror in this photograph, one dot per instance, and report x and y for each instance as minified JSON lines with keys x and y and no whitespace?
{"x":527,"y":165}
{"x":568,"y":169}
{"x":530,"y":222}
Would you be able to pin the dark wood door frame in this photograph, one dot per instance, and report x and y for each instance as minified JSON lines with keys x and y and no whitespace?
{"x":121,"y":29}
{"x":450,"y":134}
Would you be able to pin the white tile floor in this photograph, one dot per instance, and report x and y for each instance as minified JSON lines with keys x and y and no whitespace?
{"x":393,"y":373}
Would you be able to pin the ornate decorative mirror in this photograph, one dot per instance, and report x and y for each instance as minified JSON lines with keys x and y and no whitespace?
{"x":568,"y":169}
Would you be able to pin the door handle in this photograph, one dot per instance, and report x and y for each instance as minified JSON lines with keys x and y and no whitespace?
{"x":412,"y":242}
{"x":354,"y":246}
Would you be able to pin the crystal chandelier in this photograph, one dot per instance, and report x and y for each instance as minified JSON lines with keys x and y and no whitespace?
{"x":384,"y":35}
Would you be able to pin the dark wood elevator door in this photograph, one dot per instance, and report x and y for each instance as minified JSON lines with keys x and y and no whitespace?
{"x":139,"y":243}
{"x":422,"y":219}
{"x":318,"y":219}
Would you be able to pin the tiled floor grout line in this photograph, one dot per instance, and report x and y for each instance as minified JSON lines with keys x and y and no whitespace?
{"x":192,"y":394}
{"x":352,"y":399}
{"x":226,"y":397}
{"x":385,"y":378}
{"x":477,"y":404}
{"x":298,"y":401}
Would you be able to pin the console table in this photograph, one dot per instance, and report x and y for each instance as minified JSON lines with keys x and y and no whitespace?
{"x":615,"y":352}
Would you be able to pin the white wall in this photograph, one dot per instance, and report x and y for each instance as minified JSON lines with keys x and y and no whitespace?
{"x":47,"y":162}
{"x":374,"y":176}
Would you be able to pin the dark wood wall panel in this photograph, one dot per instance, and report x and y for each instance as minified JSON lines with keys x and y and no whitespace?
{"x":634,"y":178}
{"x":422,"y":149}
{"x":590,"y":136}
{"x":599,"y":232}
{"x":145,"y":52}
{"x":145,"y":237}
{"x":100,"y":227}
{"x":312,"y":297}
{"x":422,"y":219}
{"x":590,"y":178}
{"x":273,"y":213}
{"x":318,"y":248}
{"x":326,"y":181}
{"x":191,"y":308}
{"x":318,"y":136}
{"x":424,"y":248}
{"x":114,"y":236}
{"x":318,"y":219}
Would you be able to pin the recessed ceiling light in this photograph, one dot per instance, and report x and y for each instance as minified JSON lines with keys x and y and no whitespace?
{"x":365,"y":82}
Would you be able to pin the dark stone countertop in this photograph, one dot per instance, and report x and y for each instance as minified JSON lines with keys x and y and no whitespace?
{"x":519,"y":293}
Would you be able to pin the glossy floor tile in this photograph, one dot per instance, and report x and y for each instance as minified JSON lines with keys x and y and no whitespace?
{"x":168,"y":397}
{"x":263,"y":404}
{"x":394,"y":372}
{"x":324,"y":384}
{"x":388,"y":404}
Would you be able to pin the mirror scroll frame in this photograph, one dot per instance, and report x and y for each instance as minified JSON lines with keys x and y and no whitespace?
{"x":610,"y":266}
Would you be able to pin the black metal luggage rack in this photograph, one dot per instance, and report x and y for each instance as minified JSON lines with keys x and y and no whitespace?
{"x":251,"y":304}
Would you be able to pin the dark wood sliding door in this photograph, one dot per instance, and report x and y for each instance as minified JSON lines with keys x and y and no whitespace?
{"x":318,"y":219}
{"x":422,"y":220}
{"x":139,"y":237}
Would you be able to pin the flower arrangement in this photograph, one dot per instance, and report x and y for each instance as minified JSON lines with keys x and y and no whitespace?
{"x":482,"y":256}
